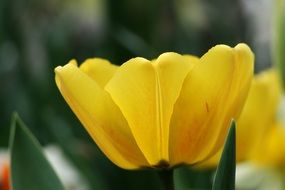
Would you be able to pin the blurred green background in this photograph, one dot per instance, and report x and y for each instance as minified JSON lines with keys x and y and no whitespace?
{"x":38,"y":35}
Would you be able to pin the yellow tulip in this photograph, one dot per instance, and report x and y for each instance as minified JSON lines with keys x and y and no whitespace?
{"x":257,"y":116}
{"x":173,"y":110}
{"x":271,"y":150}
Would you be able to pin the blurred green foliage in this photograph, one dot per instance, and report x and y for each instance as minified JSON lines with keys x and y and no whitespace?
{"x":36,"y":36}
{"x":279,"y":39}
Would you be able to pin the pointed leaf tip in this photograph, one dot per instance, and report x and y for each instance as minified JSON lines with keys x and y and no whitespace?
{"x":29,"y":167}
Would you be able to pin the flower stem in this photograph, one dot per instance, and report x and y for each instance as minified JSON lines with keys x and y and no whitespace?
{"x":166,"y":179}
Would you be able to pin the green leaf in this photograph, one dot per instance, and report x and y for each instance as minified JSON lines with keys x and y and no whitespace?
{"x":225,"y":174}
{"x":30,"y":169}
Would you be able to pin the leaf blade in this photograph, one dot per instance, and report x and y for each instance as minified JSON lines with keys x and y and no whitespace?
{"x":30,"y":170}
{"x":225,"y":174}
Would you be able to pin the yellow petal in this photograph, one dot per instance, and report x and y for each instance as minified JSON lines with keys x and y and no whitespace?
{"x":212,"y":162}
{"x":212,"y":94}
{"x":171,"y":70}
{"x":146,"y":92}
{"x":100,"y":70}
{"x":100,"y":116}
{"x":258,"y":113}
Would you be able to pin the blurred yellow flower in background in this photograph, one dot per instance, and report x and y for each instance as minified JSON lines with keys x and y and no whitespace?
{"x":271,"y":151}
{"x":173,"y":110}
{"x":265,"y":168}
{"x":257,"y":116}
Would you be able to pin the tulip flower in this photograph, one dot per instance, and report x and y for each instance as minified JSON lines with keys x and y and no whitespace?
{"x":271,"y":151}
{"x":173,"y":110}
{"x":4,"y":170}
{"x":257,"y":115}
{"x":265,"y":169}
{"x":5,"y":175}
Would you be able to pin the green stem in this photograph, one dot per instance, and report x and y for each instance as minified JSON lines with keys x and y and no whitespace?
{"x":166,"y":179}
